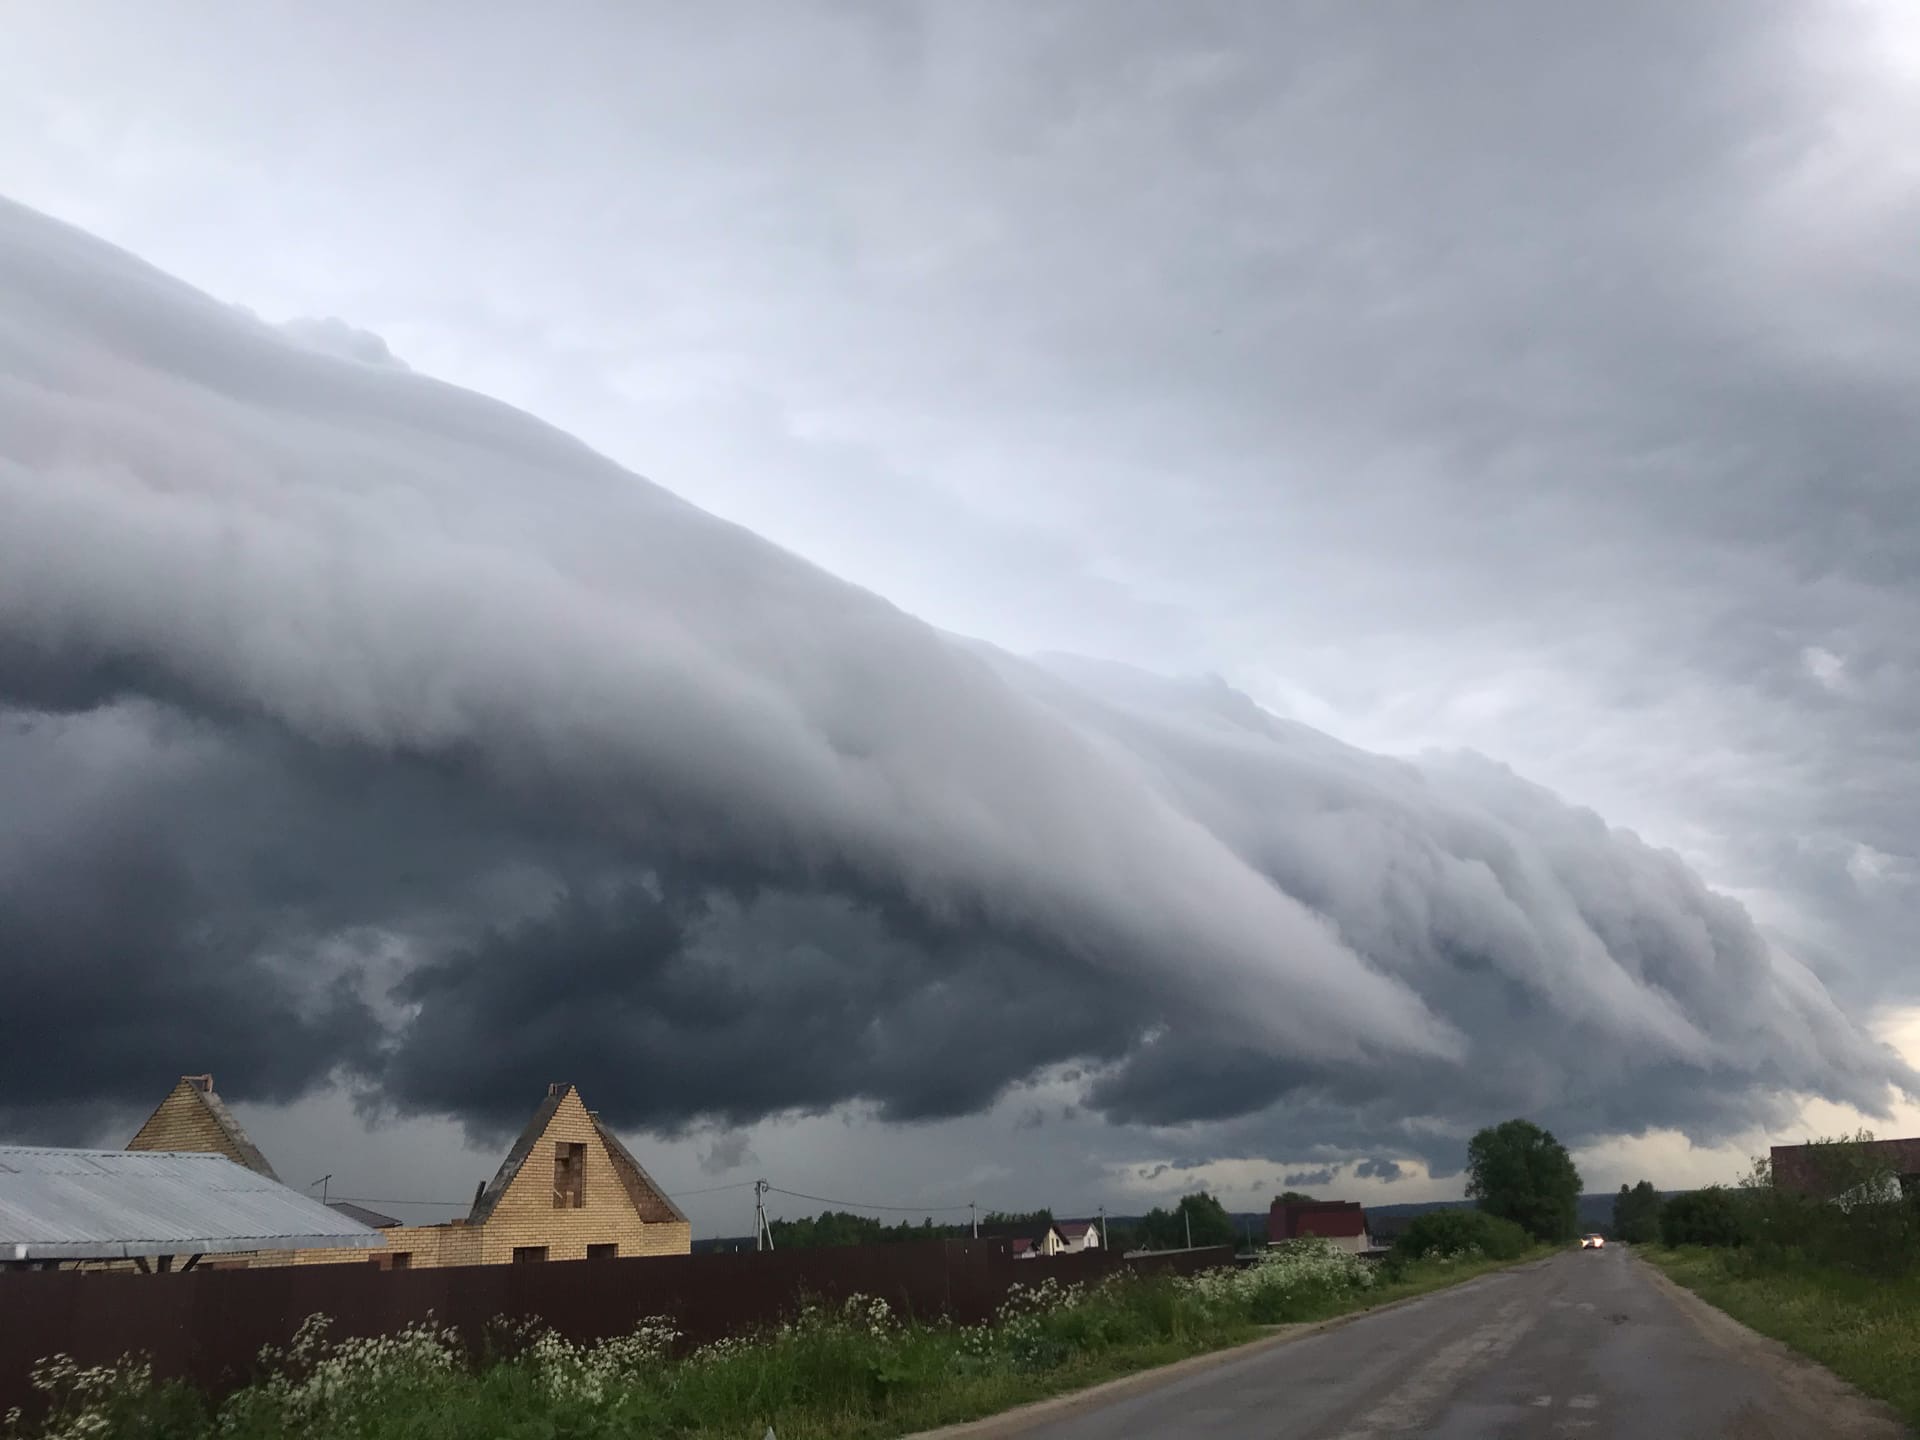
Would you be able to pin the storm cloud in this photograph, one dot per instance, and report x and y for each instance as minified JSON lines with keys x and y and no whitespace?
{"x":379,"y":731}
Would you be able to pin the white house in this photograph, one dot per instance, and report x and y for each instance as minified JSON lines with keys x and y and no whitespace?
{"x":1077,"y":1235}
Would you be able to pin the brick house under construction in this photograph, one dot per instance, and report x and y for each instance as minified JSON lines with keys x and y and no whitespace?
{"x":568,"y":1190}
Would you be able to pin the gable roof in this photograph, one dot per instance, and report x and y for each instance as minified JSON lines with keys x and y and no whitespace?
{"x":509,"y":1170}
{"x":66,"y":1204}
{"x":1073,"y":1229}
{"x":648,"y":1199}
{"x":1329,"y":1219}
{"x":194,"y":1118}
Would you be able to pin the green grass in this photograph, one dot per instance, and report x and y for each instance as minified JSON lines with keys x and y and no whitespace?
{"x":848,"y":1371}
{"x":1864,"y":1329}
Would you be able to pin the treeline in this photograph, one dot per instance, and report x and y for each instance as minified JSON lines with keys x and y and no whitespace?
{"x":841,"y":1227}
{"x":1199,"y":1219}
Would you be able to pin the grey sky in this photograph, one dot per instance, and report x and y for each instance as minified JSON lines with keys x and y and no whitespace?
{"x":1528,"y":379}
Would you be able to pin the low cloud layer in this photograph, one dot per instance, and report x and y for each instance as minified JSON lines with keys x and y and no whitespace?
{"x":361,"y":726}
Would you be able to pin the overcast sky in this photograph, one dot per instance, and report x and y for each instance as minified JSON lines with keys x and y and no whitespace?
{"x":1485,"y":386}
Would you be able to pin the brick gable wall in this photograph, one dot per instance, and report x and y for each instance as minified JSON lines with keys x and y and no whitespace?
{"x":184,"y":1123}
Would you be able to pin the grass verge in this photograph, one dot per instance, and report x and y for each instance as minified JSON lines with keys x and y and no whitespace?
{"x":849,"y":1371}
{"x":1866,"y":1330}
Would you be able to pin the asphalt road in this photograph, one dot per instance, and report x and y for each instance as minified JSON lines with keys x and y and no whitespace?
{"x":1588,"y":1344}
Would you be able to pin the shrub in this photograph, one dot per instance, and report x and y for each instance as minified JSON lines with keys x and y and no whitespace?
{"x":1458,"y":1234}
{"x":1704,"y":1217}
{"x":1859,"y":1219}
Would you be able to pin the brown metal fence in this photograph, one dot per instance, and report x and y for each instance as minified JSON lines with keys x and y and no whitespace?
{"x":209,"y":1326}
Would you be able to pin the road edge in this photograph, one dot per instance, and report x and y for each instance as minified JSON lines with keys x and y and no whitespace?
{"x":1057,"y":1407}
{"x":1809,"y":1377}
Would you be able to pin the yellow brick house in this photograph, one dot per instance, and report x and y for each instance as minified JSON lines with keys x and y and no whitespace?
{"x":193,"y":1118}
{"x":567,"y":1190}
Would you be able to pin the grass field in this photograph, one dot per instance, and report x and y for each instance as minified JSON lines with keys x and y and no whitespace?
{"x":1865,"y":1330}
{"x":849,"y":1371}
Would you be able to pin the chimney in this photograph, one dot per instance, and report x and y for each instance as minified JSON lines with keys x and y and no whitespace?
{"x":204,"y":1082}
{"x":556,"y":1086}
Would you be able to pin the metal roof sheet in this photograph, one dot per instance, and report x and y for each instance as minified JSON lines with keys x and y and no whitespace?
{"x":63,"y":1204}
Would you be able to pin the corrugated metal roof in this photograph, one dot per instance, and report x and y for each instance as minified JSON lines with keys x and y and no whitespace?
{"x":59,"y":1204}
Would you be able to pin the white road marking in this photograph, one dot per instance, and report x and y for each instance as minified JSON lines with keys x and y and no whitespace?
{"x":1541,"y":1402}
{"x":1583,"y":1402}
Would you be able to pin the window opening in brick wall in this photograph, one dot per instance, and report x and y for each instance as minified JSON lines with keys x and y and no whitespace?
{"x":569,"y":1175}
{"x":525,"y":1254}
{"x":402,"y":1260}
{"x":603,"y":1252}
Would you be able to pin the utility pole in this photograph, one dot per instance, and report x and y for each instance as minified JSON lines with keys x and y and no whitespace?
{"x":973,"y":1216}
{"x":1186,"y":1213}
{"x":762,"y":1232}
{"x":322,"y":1183}
{"x":1103,"y":1227}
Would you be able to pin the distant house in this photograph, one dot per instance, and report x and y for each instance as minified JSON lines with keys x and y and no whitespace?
{"x":155,"y":1210}
{"x":1341,"y":1221}
{"x":1889,"y":1167}
{"x":1028,"y":1239}
{"x":567,"y":1190}
{"x":372,"y":1219}
{"x":1077,"y":1236}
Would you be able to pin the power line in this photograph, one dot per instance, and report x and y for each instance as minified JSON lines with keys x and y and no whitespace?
{"x":710,"y":1190}
{"x":688,"y":1194}
{"x":368,"y":1200}
{"x":467,"y":1204}
{"x":859,"y":1205}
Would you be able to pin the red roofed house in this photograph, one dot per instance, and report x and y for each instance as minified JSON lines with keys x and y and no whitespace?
{"x":1341,"y":1221}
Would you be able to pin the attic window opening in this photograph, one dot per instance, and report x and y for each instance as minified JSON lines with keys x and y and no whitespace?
{"x":569,"y":1175}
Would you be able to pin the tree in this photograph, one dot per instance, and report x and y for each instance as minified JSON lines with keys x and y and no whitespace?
{"x":1199,"y":1214}
{"x":1291,"y":1196}
{"x":1460,"y":1232}
{"x":1703,"y":1217}
{"x":1636,"y":1214}
{"x":1519,"y":1172}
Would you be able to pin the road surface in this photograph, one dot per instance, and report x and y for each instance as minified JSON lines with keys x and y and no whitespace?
{"x":1590,"y":1345}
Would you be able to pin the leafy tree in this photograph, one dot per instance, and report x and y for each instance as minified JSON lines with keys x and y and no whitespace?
{"x":1456,"y":1232}
{"x":1703,"y":1217}
{"x":1294,"y":1195}
{"x":1636,"y":1214}
{"x":1519,"y":1172}
{"x":1162,"y":1229}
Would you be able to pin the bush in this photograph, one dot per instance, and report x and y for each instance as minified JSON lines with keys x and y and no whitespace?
{"x":1704,"y":1217}
{"x":1455,"y":1234}
{"x":1860,"y":1219}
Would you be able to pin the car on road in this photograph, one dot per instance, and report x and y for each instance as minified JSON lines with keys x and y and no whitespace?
{"x":1593,"y":1242}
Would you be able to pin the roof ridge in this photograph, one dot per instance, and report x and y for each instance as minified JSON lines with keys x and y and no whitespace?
{"x":516,"y":1157}
{"x":623,"y":1160}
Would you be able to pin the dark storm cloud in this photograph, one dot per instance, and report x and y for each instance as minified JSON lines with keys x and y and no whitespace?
{"x":1325,"y":1175}
{"x":1385,"y":1171}
{"x":508,"y":767}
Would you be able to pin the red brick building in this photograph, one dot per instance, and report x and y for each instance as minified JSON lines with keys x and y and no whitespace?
{"x":1826,"y":1170}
